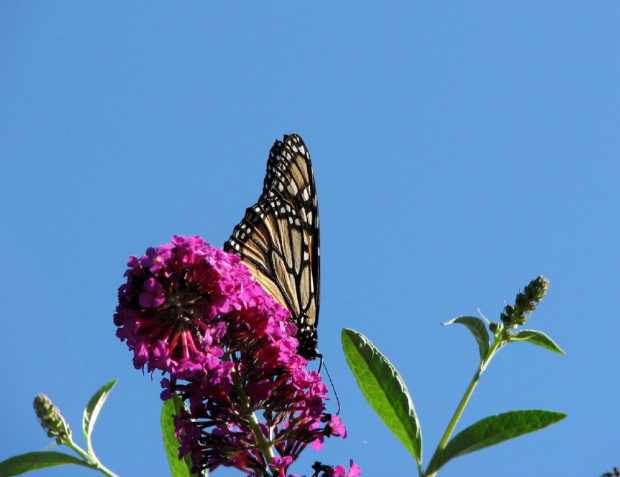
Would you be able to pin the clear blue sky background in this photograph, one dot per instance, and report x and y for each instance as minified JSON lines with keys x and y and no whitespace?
{"x":460,"y":150}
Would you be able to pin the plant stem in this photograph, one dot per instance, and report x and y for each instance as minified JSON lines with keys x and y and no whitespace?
{"x":455,"y":419}
{"x":461,"y":407}
{"x":263,"y":444}
{"x":90,"y":459}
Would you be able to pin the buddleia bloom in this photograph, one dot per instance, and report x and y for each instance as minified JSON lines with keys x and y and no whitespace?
{"x":169,"y":308}
{"x":194,"y":312}
{"x":269,"y":402}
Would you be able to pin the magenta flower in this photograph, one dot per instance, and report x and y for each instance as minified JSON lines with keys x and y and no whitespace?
{"x":194,"y":312}
{"x":341,"y":471}
{"x":321,"y":470}
{"x":267,"y":378}
{"x":173,"y":293}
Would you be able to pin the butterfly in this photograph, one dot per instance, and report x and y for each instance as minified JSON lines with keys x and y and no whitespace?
{"x":278,"y":239}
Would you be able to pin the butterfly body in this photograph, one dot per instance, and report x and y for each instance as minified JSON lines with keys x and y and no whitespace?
{"x":278,"y":239}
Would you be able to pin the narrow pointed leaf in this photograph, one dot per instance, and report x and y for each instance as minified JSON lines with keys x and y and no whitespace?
{"x":178,"y":467}
{"x":537,"y":338}
{"x":478,"y":328}
{"x":20,"y":464}
{"x":91,"y":413}
{"x":384,"y":390}
{"x":493,"y":430}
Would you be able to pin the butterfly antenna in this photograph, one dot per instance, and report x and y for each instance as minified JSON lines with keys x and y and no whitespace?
{"x":320,"y":356}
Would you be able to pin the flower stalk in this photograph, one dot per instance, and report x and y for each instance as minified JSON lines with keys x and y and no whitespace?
{"x":53,"y":422}
{"x":512,"y":317}
{"x":262,"y":443}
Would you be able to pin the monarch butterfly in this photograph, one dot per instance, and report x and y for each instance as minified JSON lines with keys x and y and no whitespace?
{"x":278,"y":239}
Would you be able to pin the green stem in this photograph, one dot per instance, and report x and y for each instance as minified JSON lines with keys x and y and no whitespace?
{"x":263,"y":444}
{"x":459,"y":411}
{"x":90,"y":459}
{"x":461,"y":407}
{"x":101,"y":468}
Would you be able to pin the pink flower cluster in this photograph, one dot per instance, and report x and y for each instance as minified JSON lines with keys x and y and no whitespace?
{"x":330,"y":471}
{"x":194,"y":312}
{"x":170,"y":306}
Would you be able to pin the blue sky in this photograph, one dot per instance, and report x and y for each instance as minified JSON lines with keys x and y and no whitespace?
{"x":460,"y":150}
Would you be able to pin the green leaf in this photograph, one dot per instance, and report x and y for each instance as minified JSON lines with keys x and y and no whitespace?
{"x":478,"y":328}
{"x":91,"y":413}
{"x":23,"y":463}
{"x":537,"y":338}
{"x":384,"y":390}
{"x":178,"y":467}
{"x":493,"y":430}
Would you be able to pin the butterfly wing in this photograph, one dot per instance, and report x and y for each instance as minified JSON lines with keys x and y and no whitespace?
{"x":278,"y":239}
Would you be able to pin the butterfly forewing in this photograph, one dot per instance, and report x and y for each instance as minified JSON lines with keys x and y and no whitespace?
{"x":278,"y":239}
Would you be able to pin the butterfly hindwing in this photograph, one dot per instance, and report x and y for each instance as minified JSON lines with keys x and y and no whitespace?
{"x":278,"y":239}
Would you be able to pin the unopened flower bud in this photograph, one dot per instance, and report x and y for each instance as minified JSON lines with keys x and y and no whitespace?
{"x":51,"y":420}
{"x":525,"y":302}
{"x":537,"y":289}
